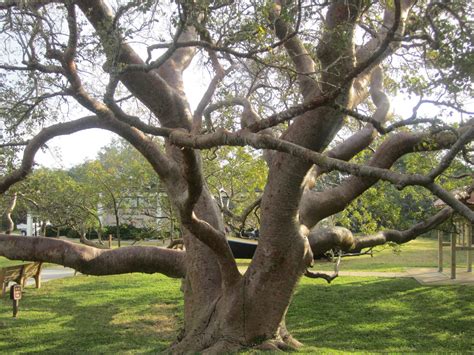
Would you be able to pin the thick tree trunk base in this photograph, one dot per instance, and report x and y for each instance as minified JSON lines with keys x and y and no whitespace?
{"x":217,"y":336}
{"x":232,"y":345}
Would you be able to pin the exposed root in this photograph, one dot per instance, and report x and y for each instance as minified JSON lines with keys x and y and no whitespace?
{"x":269,"y":345}
{"x":292,"y":343}
{"x":279,"y":345}
{"x":288,"y":339}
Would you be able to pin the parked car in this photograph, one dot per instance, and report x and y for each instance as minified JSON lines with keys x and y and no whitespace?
{"x":22,"y":228}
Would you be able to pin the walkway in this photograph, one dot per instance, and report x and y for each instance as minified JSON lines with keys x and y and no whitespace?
{"x":53,"y":273}
{"x":425,"y":276}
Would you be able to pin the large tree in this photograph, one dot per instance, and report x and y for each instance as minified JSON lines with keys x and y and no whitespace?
{"x":307,"y":82}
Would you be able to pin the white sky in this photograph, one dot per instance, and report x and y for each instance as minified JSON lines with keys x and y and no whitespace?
{"x":67,"y":151}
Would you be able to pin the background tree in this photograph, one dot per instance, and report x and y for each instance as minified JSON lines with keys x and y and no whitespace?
{"x":127,"y":191}
{"x":236,"y":178}
{"x":53,"y":196}
{"x":308,"y":83}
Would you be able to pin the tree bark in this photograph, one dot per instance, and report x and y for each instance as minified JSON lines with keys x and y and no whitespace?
{"x":224,"y":310}
{"x":93,"y":261}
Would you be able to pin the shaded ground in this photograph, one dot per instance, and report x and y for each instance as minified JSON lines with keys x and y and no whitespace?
{"x":140,"y":313}
{"x":382,"y":315}
{"x":137,"y":313}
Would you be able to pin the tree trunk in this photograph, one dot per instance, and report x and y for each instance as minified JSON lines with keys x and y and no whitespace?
{"x":231,"y":321}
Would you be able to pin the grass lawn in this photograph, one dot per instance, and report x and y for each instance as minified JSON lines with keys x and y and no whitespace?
{"x":138,"y":313}
{"x":127,"y":313}
{"x":418,"y":253}
{"x":142,"y":313}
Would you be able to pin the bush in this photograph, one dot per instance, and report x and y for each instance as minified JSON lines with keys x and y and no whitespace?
{"x":52,"y":231}
{"x":130,"y":232}
{"x":127,"y":232}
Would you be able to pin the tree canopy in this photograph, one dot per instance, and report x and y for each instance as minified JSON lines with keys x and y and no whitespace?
{"x":308,"y":87}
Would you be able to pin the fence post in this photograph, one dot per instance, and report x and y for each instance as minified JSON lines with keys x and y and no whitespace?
{"x":453,"y":255}
{"x":110,"y":241}
{"x":469,"y":244}
{"x":440,"y":251}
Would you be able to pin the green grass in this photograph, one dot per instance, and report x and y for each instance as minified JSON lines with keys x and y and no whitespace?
{"x":419,"y":253}
{"x":139,"y":313}
{"x":142,"y":313}
{"x":128,"y":313}
{"x":382,"y":315}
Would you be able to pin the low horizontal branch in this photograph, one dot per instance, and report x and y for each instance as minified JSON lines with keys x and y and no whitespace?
{"x":93,"y":261}
{"x":325,"y":239}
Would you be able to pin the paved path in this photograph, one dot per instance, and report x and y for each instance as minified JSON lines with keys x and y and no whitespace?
{"x":53,"y":273}
{"x":425,"y":276}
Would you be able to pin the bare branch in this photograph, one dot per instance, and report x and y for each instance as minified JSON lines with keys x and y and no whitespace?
{"x":317,"y":205}
{"x":242,"y":138}
{"x":39,"y":140}
{"x":207,"y":97}
{"x":323,"y":240}
{"x":320,"y":275}
{"x":455,"y":149}
{"x":34,"y":66}
{"x":405,"y":236}
{"x":14,"y":144}
{"x":31,"y":3}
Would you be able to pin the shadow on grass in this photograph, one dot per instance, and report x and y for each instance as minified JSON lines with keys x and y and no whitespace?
{"x":94,"y":315}
{"x":373,"y":315}
{"x":142,"y":314}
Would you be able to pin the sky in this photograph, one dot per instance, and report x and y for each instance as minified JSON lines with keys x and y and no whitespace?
{"x":68,"y":151}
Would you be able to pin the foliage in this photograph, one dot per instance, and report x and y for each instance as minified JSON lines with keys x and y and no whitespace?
{"x":383,"y":206}
{"x":53,"y":196}
{"x":240,"y":173}
{"x":125,"y":191}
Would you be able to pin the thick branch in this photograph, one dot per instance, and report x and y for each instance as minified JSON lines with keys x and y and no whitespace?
{"x":317,"y":205}
{"x":323,"y":240}
{"x":39,"y":140}
{"x":94,"y":261}
{"x":302,"y":60}
{"x":169,"y":107}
